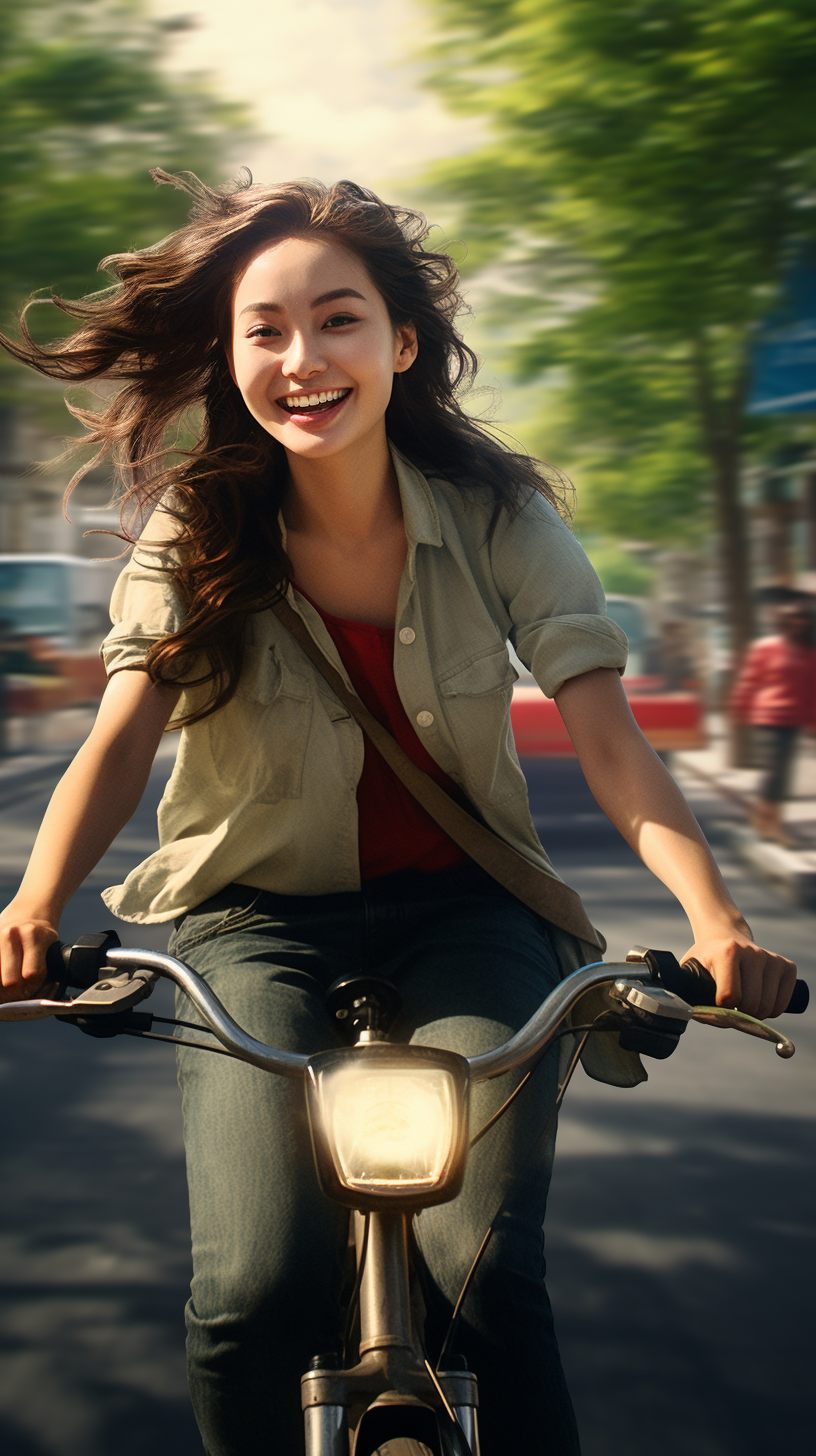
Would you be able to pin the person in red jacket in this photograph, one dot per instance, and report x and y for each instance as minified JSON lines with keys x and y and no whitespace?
{"x":776,"y":693}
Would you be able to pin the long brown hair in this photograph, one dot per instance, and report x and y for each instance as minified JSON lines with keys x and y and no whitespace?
{"x":160,"y":332}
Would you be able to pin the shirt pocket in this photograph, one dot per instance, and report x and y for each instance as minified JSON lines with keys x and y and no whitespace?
{"x":263,"y":741}
{"x":476,"y":700}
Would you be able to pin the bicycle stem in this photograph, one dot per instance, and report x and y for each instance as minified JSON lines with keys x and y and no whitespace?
{"x":385,"y":1302}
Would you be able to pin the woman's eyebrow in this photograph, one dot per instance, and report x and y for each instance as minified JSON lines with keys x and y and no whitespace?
{"x":337,"y":293}
{"x":329,"y":297}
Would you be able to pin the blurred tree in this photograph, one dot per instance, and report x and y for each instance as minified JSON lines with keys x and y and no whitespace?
{"x":86,"y":109}
{"x":619,"y":570}
{"x":654,"y":165}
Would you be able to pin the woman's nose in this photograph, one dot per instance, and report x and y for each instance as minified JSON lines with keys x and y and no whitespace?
{"x":303,"y":357}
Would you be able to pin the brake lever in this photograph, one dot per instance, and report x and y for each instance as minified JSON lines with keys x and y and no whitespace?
{"x":725,"y":1017}
{"x":656,"y":1000}
{"x":115,"y":994}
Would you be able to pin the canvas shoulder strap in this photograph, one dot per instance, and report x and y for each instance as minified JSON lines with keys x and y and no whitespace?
{"x":547,"y":896}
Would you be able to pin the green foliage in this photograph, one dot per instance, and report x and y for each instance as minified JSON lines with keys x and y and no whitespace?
{"x":653,"y":163}
{"x":619,"y":570}
{"x":621,"y":422}
{"x":86,"y":109}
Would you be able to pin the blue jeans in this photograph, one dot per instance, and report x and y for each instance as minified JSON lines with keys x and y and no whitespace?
{"x":472,"y":964}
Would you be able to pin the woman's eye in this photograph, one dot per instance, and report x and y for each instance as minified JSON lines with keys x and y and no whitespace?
{"x":262,"y":331}
{"x":338,"y":319}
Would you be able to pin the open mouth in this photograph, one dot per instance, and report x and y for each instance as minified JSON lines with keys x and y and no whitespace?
{"x":312,"y":404}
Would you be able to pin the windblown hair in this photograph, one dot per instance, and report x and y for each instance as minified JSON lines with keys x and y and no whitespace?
{"x":160,"y":333}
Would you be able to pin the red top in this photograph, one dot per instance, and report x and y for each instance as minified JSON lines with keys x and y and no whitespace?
{"x":776,"y":686}
{"x":395,"y":832}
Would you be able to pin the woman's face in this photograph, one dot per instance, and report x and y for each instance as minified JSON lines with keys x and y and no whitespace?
{"x":313,"y":350}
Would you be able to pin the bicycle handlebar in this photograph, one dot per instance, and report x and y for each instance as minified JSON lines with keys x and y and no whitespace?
{"x":525,"y":1044}
{"x":692,"y":983}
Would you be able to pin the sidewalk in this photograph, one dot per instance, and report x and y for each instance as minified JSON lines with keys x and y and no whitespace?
{"x":706,"y":771}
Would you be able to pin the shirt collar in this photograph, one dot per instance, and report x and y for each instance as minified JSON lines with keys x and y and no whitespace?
{"x":418,"y":505}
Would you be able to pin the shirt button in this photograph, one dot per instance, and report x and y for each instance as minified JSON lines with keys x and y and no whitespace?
{"x":424,"y":719}
{"x":407,"y":635}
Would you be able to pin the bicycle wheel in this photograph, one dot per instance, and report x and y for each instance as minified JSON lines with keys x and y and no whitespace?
{"x":403,"y":1446}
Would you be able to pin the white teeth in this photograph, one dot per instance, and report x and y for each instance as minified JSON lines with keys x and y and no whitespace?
{"x":308,"y":401}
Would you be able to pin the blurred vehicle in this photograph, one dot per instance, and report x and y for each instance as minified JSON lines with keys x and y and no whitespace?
{"x":661,"y":684}
{"x":56,"y":609}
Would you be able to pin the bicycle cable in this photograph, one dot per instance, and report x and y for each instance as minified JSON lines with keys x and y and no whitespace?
{"x":354,"y":1297}
{"x":203,"y":1046}
{"x":567,"y":1031}
{"x":585,"y":1032}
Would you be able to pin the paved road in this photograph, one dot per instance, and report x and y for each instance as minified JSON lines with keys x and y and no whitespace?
{"x":680,"y":1230}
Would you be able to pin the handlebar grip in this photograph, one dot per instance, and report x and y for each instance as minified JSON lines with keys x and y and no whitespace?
{"x":82,"y":963}
{"x":56,"y":960}
{"x":799,"y":1000}
{"x":694,"y":984}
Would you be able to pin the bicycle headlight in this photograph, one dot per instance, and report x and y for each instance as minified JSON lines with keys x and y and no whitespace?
{"x":388,"y":1123}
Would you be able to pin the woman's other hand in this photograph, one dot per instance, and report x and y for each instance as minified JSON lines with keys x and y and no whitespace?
{"x":748,"y":978}
{"x":24,"y":940}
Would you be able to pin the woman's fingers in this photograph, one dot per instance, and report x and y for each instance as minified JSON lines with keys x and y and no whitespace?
{"x":23,"y":944}
{"x":787,"y":981}
{"x":751,"y":979}
{"x":767,"y":982}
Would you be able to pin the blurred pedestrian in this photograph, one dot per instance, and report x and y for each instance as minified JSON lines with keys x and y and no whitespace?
{"x":776,"y":693}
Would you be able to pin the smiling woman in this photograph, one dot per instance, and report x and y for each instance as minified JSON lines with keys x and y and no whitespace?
{"x":339,"y":486}
{"x":345,"y":360}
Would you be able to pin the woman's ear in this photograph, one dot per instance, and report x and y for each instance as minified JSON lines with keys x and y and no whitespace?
{"x":405,"y":347}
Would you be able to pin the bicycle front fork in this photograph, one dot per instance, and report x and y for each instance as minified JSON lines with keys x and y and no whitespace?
{"x":391,"y":1371}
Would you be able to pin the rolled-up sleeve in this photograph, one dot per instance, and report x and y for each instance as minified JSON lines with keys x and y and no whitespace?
{"x":144,"y":606}
{"x":554,"y":599}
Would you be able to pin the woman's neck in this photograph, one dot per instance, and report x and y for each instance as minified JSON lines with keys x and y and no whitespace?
{"x":345,"y":535}
{"x":354,"y":500}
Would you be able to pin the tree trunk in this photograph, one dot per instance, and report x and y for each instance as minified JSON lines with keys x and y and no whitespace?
{"x":721,"y":429}
{"x":735,"y":566}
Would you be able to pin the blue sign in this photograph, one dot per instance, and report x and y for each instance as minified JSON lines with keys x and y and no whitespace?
{"x":784,"y":354}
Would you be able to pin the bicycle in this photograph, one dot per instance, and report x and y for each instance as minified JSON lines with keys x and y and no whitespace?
{"x":390,"y":1136}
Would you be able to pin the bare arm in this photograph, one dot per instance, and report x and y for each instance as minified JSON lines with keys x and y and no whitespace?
{"x":639,"y":795}
{"x":94,"y":800}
